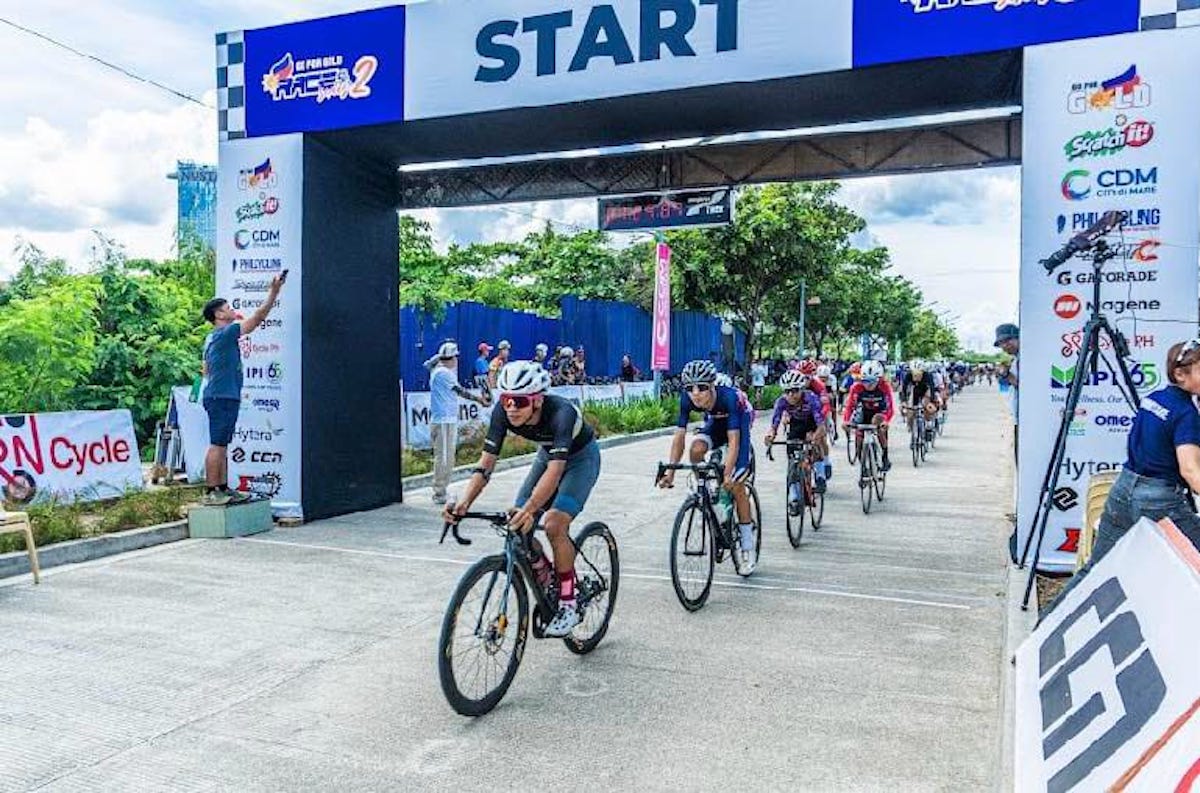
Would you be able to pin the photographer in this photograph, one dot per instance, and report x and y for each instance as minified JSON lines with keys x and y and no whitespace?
{"x":1162,"y":468}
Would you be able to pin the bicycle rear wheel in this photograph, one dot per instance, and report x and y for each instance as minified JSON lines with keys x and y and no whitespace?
{"x":597,"y":574}
{"x":795,"y":523}
{"x":816,"y":506}
{"x":914,"y":441}
{"x":481,"y":642}
{"x":865,"y":488}
{"x":693,"y":553}
{"x":756,"y":519}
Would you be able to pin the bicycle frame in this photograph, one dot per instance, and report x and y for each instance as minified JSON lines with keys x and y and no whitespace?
{"x":702,"y":474}
{"x":800,"y":453}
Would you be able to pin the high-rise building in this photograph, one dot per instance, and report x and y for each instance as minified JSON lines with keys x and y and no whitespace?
{"x":197,"y":215}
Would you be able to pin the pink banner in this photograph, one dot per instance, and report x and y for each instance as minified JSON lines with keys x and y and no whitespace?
{"x":660,"y":356}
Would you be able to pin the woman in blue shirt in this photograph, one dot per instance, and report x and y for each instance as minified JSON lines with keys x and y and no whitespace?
{"x":1162,"y":466}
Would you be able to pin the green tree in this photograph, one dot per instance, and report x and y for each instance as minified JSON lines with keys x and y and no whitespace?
{"x":930,"y":337}
{"x":47,"y":346}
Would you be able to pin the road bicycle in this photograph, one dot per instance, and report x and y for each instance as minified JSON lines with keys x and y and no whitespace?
{"x":871,"y":478}
{"x":917,"y":433}
{"x":488,"y":618}
{"x":801,"y":456}
{"x":701,"y":539}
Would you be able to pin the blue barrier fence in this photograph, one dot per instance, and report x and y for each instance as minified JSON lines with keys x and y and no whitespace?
{"x":607,"y":330}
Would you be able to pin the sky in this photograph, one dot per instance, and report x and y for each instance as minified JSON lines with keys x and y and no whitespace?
{"x":83,"y":148}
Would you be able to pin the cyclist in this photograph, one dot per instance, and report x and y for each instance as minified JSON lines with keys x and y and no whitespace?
{"x":805,"y":422}
{"x":918,"y":394}
{"x":728,"y":418}
{"x":871,"y":401}
{"x":559,"y":482}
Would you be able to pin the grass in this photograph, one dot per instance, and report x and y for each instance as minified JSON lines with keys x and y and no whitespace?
{"x":55,"y":522}
{"x":605,"y":420}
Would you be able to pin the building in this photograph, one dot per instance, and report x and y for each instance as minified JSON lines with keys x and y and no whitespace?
{"x":197,"y":204}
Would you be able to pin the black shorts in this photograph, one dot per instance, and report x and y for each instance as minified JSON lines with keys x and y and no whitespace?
{"x":222,"y":420}
{"x":798,"y":430}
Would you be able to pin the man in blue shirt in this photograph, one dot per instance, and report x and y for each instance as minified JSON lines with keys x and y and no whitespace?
{"x":444,"y":391}
{"x":222,"y":394}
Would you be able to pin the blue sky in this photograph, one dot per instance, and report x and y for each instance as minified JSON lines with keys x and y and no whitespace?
{"x":82,"y":147}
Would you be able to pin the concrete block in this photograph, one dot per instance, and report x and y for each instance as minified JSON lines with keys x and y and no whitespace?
{"x":231,"y":520}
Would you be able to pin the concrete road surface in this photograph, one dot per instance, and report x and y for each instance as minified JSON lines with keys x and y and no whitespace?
{"x":304,"y":659}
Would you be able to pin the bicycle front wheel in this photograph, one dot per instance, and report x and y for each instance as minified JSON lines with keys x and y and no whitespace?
{"x":865,"y":489}
{"x":597,"y":573}
{"x":795,"y":523}
{"x":756,"y":520}
{"x":851,"y":448}
{"x":816,"y":507}
{"x":880,"y":475}
{"x":693,"y":555}
{"x":483,"y":637}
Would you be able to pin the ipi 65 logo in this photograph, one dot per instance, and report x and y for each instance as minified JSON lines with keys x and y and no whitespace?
{"x":1126,"y":91}
{"x":1144,"y":374}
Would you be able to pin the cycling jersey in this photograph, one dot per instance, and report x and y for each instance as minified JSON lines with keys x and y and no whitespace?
{"x":879,"y":401}
{"x":560,"y":430}
{"x":818,"y":388}
{"x":919,"y":390}
{"x":730,"y":411}
{"x":807,"y":413}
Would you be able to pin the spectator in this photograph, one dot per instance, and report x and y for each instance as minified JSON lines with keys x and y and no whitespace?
{"x":564,"y":368}
{"x":1008,"y":338}
{"x":580,"y":365}
{"x":444,"y":391}
{"x":1162,"y":465}
{"x":222,"y":390}
{"x":629,"y":372}
{"x":758,"y":378}
{"x":481,"y":365}
{"x":503,"y":350}
{"x":539,"y":354}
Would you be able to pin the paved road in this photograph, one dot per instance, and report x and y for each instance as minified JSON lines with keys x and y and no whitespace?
{"x":303,"y":659}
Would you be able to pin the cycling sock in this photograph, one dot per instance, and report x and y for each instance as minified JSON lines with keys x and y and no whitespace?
{"x":566,"y":586}
{"x":819,"y":467}
{"x":794,"y":492}
{"x":747,"y":532}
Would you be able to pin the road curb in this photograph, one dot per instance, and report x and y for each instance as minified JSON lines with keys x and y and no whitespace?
{"x":1018,"y":625}
{"x":89,"y":548}
{"x":463,"y":472}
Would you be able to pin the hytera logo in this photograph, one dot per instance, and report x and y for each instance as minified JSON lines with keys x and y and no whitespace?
{"x":1065,"y":499}
{"x":1067,"y":306}
{"x":1113,"y":140}
{"x":1126,"y":91}
{"x":1076,"y":471}
{"x":1077,"y":185}
{"x":246,"y":436}
{"x":259,"y":238}
{"x":1081,"y":688}
{"x":266,"y":405}
{"x":603,"y":38}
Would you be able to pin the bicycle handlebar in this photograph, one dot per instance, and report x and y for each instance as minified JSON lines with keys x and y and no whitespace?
{"x":702,"y":469}
{"x":791,"y":444}
{"x":497,"y":519}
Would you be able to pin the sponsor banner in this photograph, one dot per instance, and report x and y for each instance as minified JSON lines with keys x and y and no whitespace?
{"x":75,"y":456}
{"x":660,"y":341}
{"x":635,"y":391}
{"x":253,"y":246}
{"x":473,"y":57}
{"x":342,"y":71}
{"x":472,"y":419}
{"x":886,"y":31}
{"x":1110,"y":125}
{"x":685,"y":209}
{"x":1107,"y":684}
{"x":193,"y":427}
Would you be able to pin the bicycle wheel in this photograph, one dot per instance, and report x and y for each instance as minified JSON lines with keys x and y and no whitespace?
{"x":915,"y":442}
{"x":756,"y":519}
{"x":597,"y":574}
{"x":851,"y":448}
{"x":481,"y":643}
{"x":795,"y":523}
{"x":816,"y":507}
{"x":880,"y":474}
{"x":693,"y":551}
{"x":865,"y":475}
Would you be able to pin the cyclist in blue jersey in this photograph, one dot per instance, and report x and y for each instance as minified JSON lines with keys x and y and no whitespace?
{"x":727,"y":422}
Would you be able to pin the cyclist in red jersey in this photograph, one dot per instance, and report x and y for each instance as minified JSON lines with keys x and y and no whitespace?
{"x":871,"y":401}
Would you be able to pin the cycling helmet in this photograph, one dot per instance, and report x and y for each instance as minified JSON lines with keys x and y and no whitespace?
{"x":793,"y":380}
{"x":698,"y":372}
{"x":823,"y":371}
{"x":566,"y":352}
{"x":872,"y":371}
{"x":447,"y":351}
{"x":723,"y":379}
{"x":542,"y":348}
{"x":809,"y":367}
{"x":523,"y":377}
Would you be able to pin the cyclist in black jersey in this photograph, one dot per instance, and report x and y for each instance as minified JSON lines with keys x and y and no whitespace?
{"x":559,"y":482}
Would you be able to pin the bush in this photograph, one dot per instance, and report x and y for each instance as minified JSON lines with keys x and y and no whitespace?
{"x":769,"y":396}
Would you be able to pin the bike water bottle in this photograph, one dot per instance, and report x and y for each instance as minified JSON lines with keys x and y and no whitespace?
{"x":725,"y":506}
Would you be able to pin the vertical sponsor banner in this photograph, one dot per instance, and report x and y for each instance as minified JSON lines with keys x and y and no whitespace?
{"x":660,"y":344}
{"x":1109,"y":124}
{"x":259,"y":199}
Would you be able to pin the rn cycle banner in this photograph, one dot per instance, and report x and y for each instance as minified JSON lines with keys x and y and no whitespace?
{"x":660,"y":342}
{"x":259,"y":224}
{"x":74,"y":456}
{"x":1110,"y":124}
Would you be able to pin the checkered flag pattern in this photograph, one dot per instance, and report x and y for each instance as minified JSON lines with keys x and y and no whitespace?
{"x":1167,"y":14}
{"x":231,"y":85}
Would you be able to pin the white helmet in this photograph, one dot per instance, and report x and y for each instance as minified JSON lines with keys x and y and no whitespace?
{"x":700,"y":371}
{"x":542,"y":348}
{"x":824,"y":371}
{"x":872,"y":370}
{"x":523,"y":377}
{"x":566,"y":352}
{"x":793,"y":379}
{"x":447,"y":351}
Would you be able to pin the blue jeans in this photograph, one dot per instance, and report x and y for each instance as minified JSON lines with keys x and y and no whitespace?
{"x":1132,"y":498}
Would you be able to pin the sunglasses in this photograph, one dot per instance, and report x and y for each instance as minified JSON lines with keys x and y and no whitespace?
{"x":790,"y":391}
{"x":699,"y":388}
{"x":515,"y":401}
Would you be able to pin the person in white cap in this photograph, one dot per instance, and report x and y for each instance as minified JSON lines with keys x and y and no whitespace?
{"x":444,"y":391}
{"x":503,"y":351}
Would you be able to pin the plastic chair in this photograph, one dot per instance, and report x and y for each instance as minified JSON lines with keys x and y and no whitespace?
{"x":18,"y":523}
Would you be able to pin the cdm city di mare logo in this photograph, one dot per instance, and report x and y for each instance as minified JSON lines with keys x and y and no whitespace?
{"x":1080,"y":184}
{"x":1125,"y":92}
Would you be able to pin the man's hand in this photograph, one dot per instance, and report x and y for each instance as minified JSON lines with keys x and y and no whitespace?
{"x":522,"y":519}
{"x":278,"y":281}
{"x":667,"y":481}
{"x":769,"y":438}
{"x":452,"y":513}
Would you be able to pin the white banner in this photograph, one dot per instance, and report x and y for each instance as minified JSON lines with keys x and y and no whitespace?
{"x":634,"y":391}
{"x":472,"y":417}
{"x":193,"y":429}
{"x":76,"y":456}
{"x":1109,"y":124}
{"x":609,"y":394}
{"x":1106,"y":685}
{"x":260,"y":190}
{"x":473,"y":57}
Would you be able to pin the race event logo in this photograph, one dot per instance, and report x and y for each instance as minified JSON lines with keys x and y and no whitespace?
{"x":1079,"y":184}
{"x":244,"y":239}
{"x":255,"y":210}
{"x":260,"y":177}
{"x":1132,"y":220}
{"x":322,"y":78}
{"x":257,"y":265}
{"x":1067,"y":306}
{"x":1126,"y":91}
{"x":925,"y":6}
{"x":1113,"y":140}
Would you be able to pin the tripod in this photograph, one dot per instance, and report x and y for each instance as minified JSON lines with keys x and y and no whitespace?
{"x":1086,"y":364}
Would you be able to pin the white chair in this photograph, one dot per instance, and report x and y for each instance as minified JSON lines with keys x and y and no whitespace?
{"x":18,"y":523}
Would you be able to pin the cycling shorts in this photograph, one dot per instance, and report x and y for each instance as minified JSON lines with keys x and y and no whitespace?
{"x":716,"y":438}
{"x":583,"y":469}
